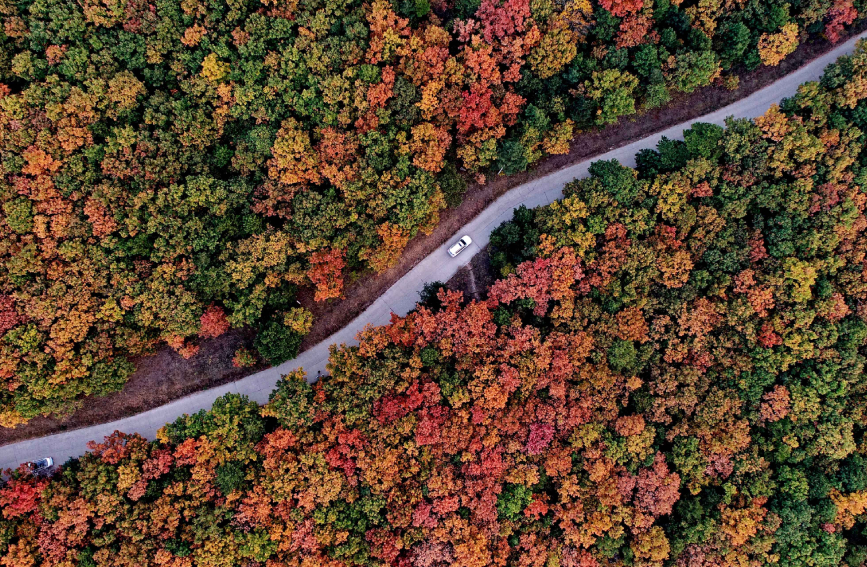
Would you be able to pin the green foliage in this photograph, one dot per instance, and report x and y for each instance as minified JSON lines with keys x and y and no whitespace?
{"x":512,"y":501}
{"x":19,"y":215}
{"x":617,"y":180}
{"x":178,"y":547}
{"x":703,"y":140}
{"x":623,"y":357}
{"x":85,"y":558}
{"x":853,"y":473}
{"x":734,"y":40}
{"x":452,"y":184}
{"x":230,"y":477}
{"x":511,"y":157}
{"x":257,"y":545}
{"x":657,"y":95}
{"x":277,"y":343}
{"x":429,"y":356}
{"x":233,"y":424}
{"x":613,"y":92}
{"x":291,"y":402}
{"x":514,"y":242}
{"x":695,"y":69}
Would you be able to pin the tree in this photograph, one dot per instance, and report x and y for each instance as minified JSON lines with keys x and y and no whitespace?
{"x":511,"y":157}
{"x":429,"y":145}
{"x":612,"y":91}
{"x":294,"y":160}
{"x":696,"y":69}
{"x":621,"y":8}
{"x":325,"y":273}
{"x":773,"y":48}
{"x":703,"y":140}
{"x":841,"y":14}
{"x":556,"y":49}
{"x":213,"y":323}
{"x":276,"y":342}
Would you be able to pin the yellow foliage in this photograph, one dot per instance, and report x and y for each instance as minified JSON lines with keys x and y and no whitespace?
{"x":556,"y":50}
{"x":849,"y":506}
{"x":11,"y":418}
{"x":651,"y":548}
{"x":773,"y":48}
{"x":294,"y":159}
{"x":213,"y":69}
{"x":299,"y":320}
{"x":741,"y":524}
{"x":106,"y":13}
{"x":557,"y":140}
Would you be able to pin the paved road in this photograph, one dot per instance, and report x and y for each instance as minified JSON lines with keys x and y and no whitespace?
{"x":401,"y":297}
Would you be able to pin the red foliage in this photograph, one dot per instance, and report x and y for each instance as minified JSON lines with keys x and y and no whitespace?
{"x":117,"y":446}
{"x":325,"y":272}
{"x":628,"y":425}
{"x":499,"y":20}
{"x":159,"y":463}
{"x":776,"y":404}
{"x":422,"y":516}
{"x":21,"y":496}
{"x":657,"y":489}
{"x":541,"y":280}
{"x":757,"y":248}
{"x":8,"y":315}
{"x":341,"y":456}
{"x":572,"y":557}
{"x":636,"y":30}
{"x":185,"y":453}
{"x":213,"y":323}
{"x":621,"y":8}
{"x":430,"y":422}
{"x":476,"y":104}
{"x":841,"y":14}
{"x":384,"y":545}
{"x":432,"y":554}
{"x":540,"y":437}
{"x":537,"y":508}
{"x":391,"y":408}
{"x":768,"y":338}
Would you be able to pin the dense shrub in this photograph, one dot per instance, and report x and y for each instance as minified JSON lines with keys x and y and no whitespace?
{"x":277,"y":343}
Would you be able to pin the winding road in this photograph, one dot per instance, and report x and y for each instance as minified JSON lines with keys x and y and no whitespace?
{"x":401,"y":297}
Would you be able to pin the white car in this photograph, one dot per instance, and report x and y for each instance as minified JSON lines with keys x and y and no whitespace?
{"x":40,"y":466}
{"x":460,"y":245}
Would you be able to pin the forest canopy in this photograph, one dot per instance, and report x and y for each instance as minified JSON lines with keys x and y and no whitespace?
{"x":670,"y":372}
{"x":171,"y":169}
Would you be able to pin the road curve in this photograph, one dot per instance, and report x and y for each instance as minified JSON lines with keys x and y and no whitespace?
{"x":401,"y":297}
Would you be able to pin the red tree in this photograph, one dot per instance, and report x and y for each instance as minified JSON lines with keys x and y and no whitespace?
{"x":325,"y":272}
{"x":213,"y":323}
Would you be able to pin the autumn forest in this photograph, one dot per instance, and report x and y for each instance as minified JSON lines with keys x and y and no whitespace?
{"x":173,"y":169}
{"x":668,"y":371}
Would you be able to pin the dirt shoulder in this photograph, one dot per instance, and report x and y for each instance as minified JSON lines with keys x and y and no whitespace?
{"x":474,"y":279}
{"x":165,"y":376}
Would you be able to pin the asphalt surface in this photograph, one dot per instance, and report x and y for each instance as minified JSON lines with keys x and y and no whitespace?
{"x":402,"y":296}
